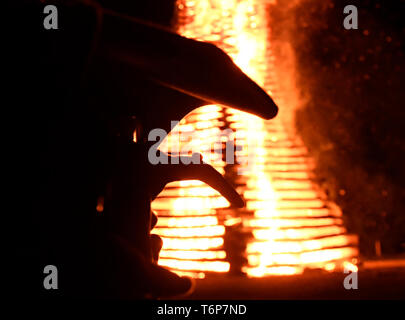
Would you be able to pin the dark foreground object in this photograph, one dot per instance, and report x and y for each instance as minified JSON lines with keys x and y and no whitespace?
{"x":372,"y":284}
{"x":79,"y":187}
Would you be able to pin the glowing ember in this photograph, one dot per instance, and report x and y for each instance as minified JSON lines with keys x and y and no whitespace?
{"x":288,"y":224}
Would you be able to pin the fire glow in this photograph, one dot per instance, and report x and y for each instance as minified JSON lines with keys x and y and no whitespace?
{"x":288,"y":223}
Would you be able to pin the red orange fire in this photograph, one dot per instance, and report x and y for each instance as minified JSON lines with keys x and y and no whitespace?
{"x":292,"y":225}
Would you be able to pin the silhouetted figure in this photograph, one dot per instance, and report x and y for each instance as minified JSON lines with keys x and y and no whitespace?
{"x":84,"y":187}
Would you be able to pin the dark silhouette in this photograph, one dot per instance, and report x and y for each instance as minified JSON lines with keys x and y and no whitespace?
{"x":85,"y":186}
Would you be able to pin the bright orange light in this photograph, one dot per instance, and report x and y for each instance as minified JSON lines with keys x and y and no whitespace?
{"x":292,"y":224}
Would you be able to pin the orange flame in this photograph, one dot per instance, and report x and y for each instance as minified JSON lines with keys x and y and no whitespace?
{"x":292,"y":224}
